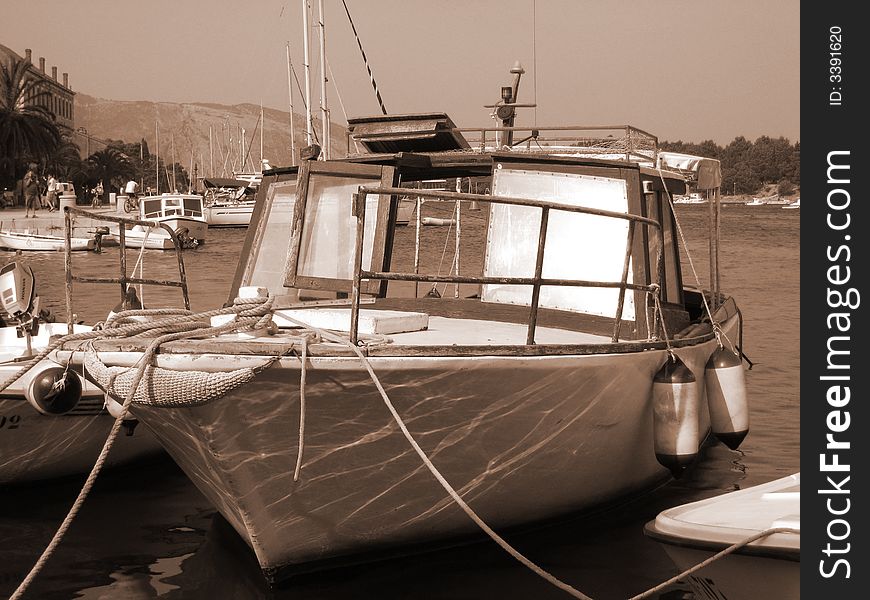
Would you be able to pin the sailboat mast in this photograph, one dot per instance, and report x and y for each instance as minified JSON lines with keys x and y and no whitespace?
{"x":262,"y":123}
{"x":157,"y":153}
{"x":290,"y":94}
{"x":324,"y":111}
{"x":309,"y":126}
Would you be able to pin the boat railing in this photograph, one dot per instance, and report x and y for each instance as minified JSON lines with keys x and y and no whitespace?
{"x":536,"y":281}
{"x":123,"y":280}
{"x":605,"y":141}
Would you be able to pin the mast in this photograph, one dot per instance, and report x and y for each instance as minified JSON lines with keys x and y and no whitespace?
{"x":210,"y":152}
{"x":172,"y":151}
{"x":309,"y":126}
{"x":261,"y":135}
{"x":290,"y":94}
{"x":324,"y":111}
{"x":157,"y":153}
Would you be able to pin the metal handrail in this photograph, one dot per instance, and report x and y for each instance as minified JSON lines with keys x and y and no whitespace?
{"x":123,"y":280}
{"x":359,"y":200}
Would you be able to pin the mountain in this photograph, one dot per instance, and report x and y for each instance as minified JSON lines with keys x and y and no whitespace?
{"x":186,"y":127}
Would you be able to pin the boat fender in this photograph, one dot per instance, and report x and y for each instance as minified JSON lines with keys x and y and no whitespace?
{"x":54,"y":390}
{"x":675,"y":416}
{"x":726,"y":397}
{"x":113,"y":406}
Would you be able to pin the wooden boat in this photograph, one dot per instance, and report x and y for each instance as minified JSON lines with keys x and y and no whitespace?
{"x":40,"y":440}
{"x":766,"y":568}
{"x":227,"y":202}
{"x":547,"y":378}
{"x":26,"y":240}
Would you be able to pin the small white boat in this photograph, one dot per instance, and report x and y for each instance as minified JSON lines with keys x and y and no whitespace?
{"x":46,"y":433}
{"x":26,"y":240}
{"x":755,"y":202}
{"x":182,"y":212}
{"x":228,"y":202}
{"x":795,"y":204}
{"x":766,"y":568}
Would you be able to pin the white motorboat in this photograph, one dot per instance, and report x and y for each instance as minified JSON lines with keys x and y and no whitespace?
{"x":795,"y":204}
{"x":183,"y":213}
{"x":228,"y":202}
{"x":766,"y":568}
{"x":27,"y":240}
{"x":755,"y":202}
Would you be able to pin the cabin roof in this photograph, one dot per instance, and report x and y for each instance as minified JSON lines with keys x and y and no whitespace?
{"x":422,"y":132}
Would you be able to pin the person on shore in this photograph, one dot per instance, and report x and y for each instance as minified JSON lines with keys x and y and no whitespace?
{"x":31,"y":192}
{"x":51,"y":194}
{"x":97,"y":192}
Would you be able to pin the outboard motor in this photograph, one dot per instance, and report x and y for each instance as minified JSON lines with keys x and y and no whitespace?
{"x":52,"y":389}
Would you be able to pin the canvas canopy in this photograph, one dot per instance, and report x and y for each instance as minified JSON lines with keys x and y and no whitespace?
{"x":706,"y":172}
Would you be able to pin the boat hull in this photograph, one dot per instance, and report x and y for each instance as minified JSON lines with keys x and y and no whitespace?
{"x":35,"y":447}
{"x":229,"y":215}
{"x":739,"y":577}
{"x":520,"y":438}
{"x":26,"y":241}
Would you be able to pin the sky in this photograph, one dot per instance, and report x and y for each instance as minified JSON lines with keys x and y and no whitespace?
{"x":686,"y":70}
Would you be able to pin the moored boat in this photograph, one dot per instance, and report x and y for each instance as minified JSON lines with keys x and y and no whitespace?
{"x":183,"y":213}
{"x":795,"y":204}
{"x":27,"y":240}
{"x":766,"y":568}
{"x":47,"y":432}
{"x":227,"y":202}
{"x":575,"y":355}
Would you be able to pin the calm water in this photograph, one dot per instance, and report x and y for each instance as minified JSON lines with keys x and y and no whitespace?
{"x":146,"y":532}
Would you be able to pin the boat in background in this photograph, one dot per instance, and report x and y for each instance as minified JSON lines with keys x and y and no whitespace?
{"x":183,"y":213}
{"x":46,"y":432}
{"x":27,"y":240}
{"x":795,"y":204}
{"x":755,"y":202}
{"x":227,"y":202}
{"x":766,"y":568}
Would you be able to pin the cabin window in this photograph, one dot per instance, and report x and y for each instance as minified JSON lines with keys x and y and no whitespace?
{"x":193,"y":207}
{"x":152,"y":208}
{"x":324,"y":233}
{"x":578,"y":246}
{"x":272,"y":243}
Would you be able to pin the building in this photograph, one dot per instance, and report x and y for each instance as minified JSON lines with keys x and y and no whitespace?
{"x":58,"y":98}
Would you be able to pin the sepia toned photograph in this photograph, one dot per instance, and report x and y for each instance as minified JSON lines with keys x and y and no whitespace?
{"x":405,"y":299}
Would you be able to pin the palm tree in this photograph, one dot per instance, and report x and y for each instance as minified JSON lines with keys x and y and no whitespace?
{"x":65,"y":161}
{"x":27,"y":129}
{"x":110,"y":166}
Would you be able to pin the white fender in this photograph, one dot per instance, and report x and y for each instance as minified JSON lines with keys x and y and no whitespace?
{"x":675,"y":416}
{"x":726,"y":397}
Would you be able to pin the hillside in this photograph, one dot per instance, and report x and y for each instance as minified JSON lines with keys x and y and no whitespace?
{"x":187,"y":127}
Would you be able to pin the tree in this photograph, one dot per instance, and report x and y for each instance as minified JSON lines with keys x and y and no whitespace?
{"x":64,"y":161}
{"x":111,"y":167}
{"x":28,"y":132}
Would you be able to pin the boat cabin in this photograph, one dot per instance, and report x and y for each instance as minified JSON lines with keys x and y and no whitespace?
{"x":170,"y":205}
{"x":565,"y":241}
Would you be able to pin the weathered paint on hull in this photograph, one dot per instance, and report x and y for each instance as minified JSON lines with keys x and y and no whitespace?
{"x":520,"y":438}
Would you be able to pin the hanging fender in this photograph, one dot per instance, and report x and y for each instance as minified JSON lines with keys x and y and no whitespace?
{"x":675,"y":416}
{"x":53,"y":390}
{"x":725,"y":381}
